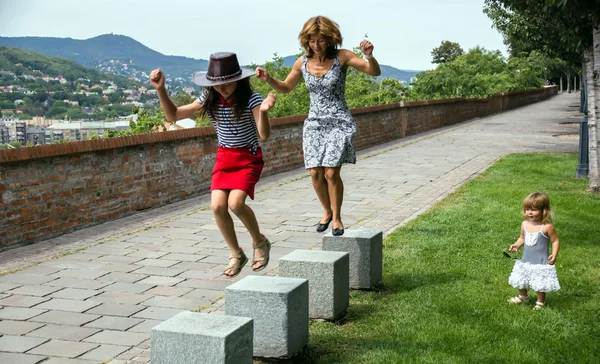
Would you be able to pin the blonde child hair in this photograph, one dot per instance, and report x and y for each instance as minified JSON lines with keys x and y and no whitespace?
{"x":541,"y":202}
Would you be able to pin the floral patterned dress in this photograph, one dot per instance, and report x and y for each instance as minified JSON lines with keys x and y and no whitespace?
{"x":328,"y":135}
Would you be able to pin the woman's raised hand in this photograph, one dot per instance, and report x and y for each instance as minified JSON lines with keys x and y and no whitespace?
{"x":268,"y":103}
{"x":262,"y":74}
{"x":157,"y":79}
{"x":366,"y":47}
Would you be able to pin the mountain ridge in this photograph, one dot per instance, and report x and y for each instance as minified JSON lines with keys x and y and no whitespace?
{"x":98,"y":52}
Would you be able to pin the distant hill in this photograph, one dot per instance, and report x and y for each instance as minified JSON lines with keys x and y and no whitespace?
{"x":386,"y":71}
{"x":122,"y":55}
{"x":22,"y":62}
{"x":95,"y":52}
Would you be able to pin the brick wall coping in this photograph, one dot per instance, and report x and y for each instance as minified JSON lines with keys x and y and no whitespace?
{"x":82,"y":146}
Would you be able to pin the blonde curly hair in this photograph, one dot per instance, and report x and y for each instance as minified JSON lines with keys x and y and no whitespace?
{"x":327,"y":28}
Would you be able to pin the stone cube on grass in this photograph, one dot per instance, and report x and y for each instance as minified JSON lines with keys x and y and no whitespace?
{"x":328,"y":280}
{"x":279,"y":308}
{"x":365,"y":248}
{"x":194,"y":338}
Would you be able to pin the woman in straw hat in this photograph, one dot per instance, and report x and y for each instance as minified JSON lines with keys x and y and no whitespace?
{"x":240,"y":117}
{"x":328,"y":134}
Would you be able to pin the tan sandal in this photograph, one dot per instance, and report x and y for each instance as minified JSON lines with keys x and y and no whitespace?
{"x":539,"y":305}
{"x":265,"y":245}
{"x":236,"y":268}
{"x":518,"y":299}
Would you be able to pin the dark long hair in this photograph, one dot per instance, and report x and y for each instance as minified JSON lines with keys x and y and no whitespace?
{"x":240,"y":99}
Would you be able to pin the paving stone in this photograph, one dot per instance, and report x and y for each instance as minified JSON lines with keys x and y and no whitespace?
{"x":81,"y":273}
{"x":19,"y":344}
{"x":118,"y":338}
{"x":148,"y":240}
{"x":204,"y":293}
{"x":75,"y":293}
{"x":119,"y":267}
{"x":4,"y":287}
{"x":129,"y":354}
{"x":216,"y":259}
{"x":122,"y":298}
{"x":183,"y":266}
{"x":10,"y":358}
{"x":19,"y":313}
{"x":63,"y":332}
{"x":118,"y":259}
{"x":114,"y":323}
{"x":65,"y":318}
{"x":157,"y":262}
{"x":161,"y":281}
{"x":20,"y":278}
{"x":104,"y":352}
{"x":112,"y":309}
{"x":99,"y":249}
{"x":66,"y":263}
{"x":22,"y":301}
{"x":180,"y":249}
{"x":41,"y":270}
{"x":168,"y":291}
{"x":184,"y":257}
{"x":61,"y":304}
{"x":128,"y":287}
{"x":84,"y":256}
{"x":71,"y":361}
{"x":61,"y":348}
{"x":143,"y":254}
{"x":145,"y":327}
{"x":9,"y":327}
{"x":176,"y":302}
{"x":157,"y":313}
{"x":69,"y":282}
{"x":159,"y":271}
{"x":204,"y":283}
{"x":124,"y":277}
{"x":31,"y":290}
{"x":201,"y":274}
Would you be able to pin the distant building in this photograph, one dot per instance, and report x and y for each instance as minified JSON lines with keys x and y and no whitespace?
{"x":42,"y":121}
{"x":4,"y":137}
{"x":83,"y":130}
{"x":36,"y":135}
{"x":17,"y":130}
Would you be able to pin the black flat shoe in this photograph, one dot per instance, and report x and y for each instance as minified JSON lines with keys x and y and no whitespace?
{"x":337,"y":232}
{"x":323,"y":227}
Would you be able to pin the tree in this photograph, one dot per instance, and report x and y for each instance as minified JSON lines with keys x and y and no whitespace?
{"x":478,"y":73}
{"x":7,"y":105}
{"x":294,"y":103}
{"x":446,"y":52}
{"x":183,"y":98}
{"x":565,"y":29}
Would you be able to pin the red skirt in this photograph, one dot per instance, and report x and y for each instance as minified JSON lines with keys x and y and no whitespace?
{"x":237,"y":169}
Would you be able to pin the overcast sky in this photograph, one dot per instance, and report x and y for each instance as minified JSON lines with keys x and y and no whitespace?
{"x":403,"y":32}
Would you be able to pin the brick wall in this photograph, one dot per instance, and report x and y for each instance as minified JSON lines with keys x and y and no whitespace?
{"x":53,"y":189}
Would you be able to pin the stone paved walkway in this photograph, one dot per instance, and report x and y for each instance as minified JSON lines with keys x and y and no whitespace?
{"x":95,"y":294}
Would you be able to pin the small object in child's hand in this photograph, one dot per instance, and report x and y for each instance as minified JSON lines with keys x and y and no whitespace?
{"x":508,"y":255}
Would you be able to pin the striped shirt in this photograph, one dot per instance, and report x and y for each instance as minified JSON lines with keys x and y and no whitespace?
{"x":232,"y":133}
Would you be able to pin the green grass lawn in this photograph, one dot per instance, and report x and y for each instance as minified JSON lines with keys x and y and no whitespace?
{"x":444,"y":291}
